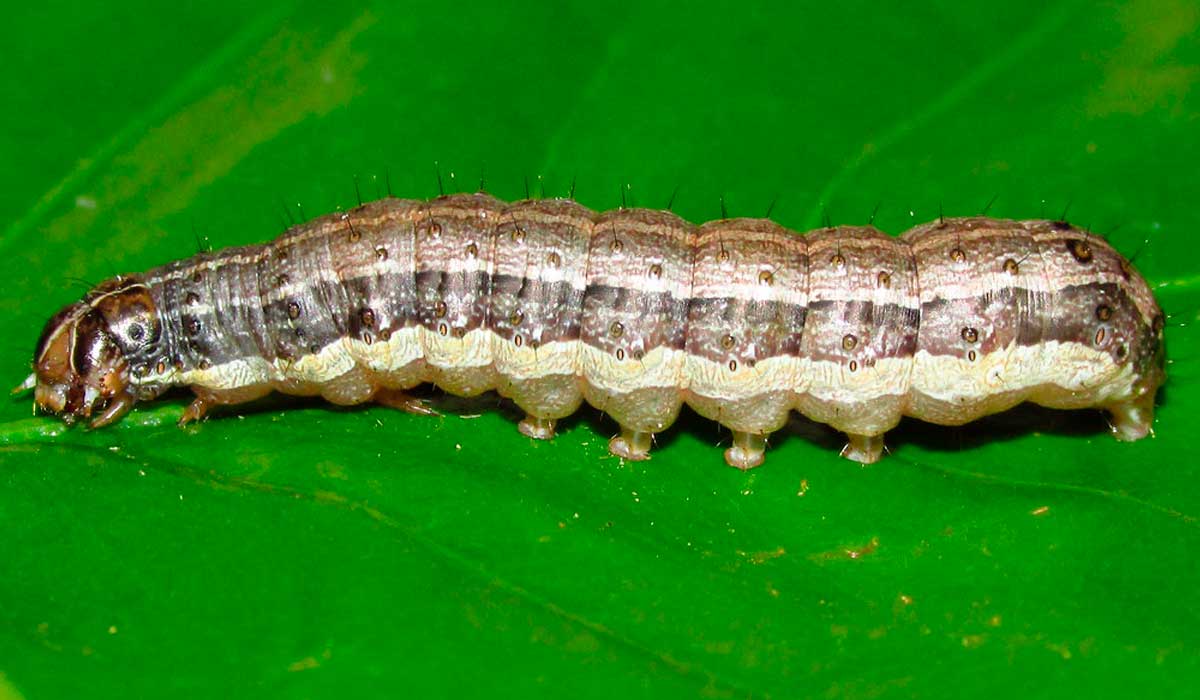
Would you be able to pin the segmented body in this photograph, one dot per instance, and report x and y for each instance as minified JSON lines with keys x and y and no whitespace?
{"x":638,"y":312}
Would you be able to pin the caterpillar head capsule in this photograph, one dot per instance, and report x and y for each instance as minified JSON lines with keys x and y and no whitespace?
{"x":81,"y":367}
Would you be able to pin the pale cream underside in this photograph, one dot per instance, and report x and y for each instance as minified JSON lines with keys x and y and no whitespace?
{"x":1071,"y":367}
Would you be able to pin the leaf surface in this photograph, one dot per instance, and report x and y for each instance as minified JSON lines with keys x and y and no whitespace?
{"x":294,"y":549}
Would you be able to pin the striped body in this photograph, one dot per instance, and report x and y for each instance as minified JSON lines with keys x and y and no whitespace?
{"x":638,"y":312}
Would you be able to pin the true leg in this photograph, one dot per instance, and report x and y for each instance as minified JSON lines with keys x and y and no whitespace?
{"x":394,"y":398}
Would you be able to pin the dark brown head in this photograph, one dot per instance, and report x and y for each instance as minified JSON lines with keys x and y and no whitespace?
{"x":81,"y":364}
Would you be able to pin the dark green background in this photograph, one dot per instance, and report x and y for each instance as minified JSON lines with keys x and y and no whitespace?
{"x":300,"y":551}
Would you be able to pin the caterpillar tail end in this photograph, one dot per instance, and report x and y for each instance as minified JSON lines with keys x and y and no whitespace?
{"x":1134,"y":419}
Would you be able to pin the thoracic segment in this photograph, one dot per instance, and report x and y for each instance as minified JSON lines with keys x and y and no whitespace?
{"x":638,"y":312}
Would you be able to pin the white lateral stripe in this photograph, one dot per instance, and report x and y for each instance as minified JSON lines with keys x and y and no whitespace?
{"x":1071,"y":366}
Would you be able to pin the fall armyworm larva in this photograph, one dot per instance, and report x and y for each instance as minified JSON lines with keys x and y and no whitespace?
{"x":634,"y":311}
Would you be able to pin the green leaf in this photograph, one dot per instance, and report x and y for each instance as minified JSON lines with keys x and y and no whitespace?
{"x":294,"y":549}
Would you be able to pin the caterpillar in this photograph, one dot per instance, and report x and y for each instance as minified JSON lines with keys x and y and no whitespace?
{"x":634,"y":311}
